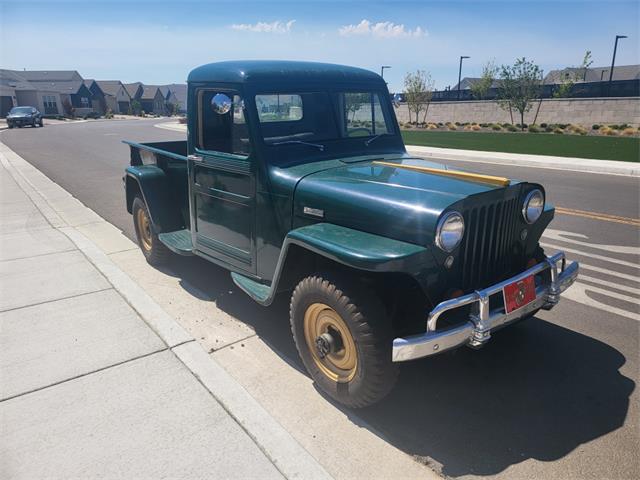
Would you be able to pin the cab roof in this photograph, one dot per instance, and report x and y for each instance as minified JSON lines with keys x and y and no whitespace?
{"x":282,"y":71}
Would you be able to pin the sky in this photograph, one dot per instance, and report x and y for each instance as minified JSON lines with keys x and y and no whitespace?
{"x":159,"y":42}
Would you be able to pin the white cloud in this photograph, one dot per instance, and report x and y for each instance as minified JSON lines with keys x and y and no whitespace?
{"x":381,"y":30}
{"x":265,"y":27}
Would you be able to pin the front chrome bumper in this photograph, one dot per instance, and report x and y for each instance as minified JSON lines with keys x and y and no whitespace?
{"x":482,"y":320}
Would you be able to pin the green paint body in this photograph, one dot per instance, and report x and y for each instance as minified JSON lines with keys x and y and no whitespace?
{"x":246,"y":212}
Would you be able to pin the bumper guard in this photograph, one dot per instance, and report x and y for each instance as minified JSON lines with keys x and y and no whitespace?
{"x":477,"y":331}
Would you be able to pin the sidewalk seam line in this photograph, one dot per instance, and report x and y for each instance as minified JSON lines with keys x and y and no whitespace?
{"x":84,"y":374}
{"x":58,"y":299}
{"x":232,"y":343}
{"x":38,"y":255}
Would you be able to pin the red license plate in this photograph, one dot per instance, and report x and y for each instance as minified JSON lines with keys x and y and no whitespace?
{"x":518,"y":294}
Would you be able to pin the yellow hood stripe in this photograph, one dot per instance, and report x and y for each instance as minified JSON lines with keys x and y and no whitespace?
{"x":476,"y":177}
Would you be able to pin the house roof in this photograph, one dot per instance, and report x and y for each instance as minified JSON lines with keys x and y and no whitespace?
{"x":279,"y":71}
{"x":132,"y":88}
{"x":110,"y":87}
{"x":467,"y":82}
{"x":178,"y":90}
{"x":71,"y":87}
{"x":149,"y":92}
{"x":51,"y":75}
{"x":594,"y":74}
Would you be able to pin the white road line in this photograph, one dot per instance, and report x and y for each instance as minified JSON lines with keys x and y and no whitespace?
{"x":591,"y":255}
{"x":613,"y":273}
{"x":632,"y":290}
{"x":578,"y":293}
{"x":566,"y":237}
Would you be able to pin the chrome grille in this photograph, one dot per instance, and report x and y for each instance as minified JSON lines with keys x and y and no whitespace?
{"x":487,"y":251}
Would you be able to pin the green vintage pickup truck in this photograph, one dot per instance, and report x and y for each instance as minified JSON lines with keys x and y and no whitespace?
{"x":295,"y":178}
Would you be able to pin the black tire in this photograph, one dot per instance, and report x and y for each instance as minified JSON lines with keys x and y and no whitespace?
{"x":41,"y":122}
{"x":10,"y":126}
{"x":152,"y":248}
{"x":364,"y":315}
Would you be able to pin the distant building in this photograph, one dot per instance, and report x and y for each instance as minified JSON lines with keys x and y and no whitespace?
{"x":74,"y":94}
{"x":98,"y":102}
{"x":116,"y":97}
{"x":177,"y":95}
{"x":593,"y":74}
{"x":16,"y":90}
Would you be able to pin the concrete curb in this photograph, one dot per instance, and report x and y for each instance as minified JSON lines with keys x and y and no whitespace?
{"x":175,"y":126}
{"x":289,"y":457}
{"x":581,"y":165}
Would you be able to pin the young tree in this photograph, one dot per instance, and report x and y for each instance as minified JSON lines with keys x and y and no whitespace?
{"x":571,"y":76}
{"x":480,"y":88}
{"x":418,"y":90}
{"x":520,"y":86}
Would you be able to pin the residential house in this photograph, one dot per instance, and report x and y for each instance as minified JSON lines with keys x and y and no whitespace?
{"x":593,"y":74}
{"x":177,"y":95}
{"x":98,"y":102}
{"x":135,"y":92}
{"x":152,"y":100}
{"x":74,"y":95}
{"x":116,"y":97}
{"x":15,"y":90}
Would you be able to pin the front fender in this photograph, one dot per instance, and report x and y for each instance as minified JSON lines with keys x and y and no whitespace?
{"x":151,"y":182}
{"x":353,"y":248}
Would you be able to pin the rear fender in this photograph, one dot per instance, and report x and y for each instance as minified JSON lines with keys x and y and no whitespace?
{"x":152,"y":184}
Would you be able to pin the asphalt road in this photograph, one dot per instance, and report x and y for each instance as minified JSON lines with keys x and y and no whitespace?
{"x":554,"y":397}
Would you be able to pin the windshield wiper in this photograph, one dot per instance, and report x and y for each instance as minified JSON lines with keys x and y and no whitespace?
{"x":372,"y":139}
{"x":300,"y":142}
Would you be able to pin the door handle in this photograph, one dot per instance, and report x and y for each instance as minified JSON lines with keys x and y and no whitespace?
{"x":195,"y":158}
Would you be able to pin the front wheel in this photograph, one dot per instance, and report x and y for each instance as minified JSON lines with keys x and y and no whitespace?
{"x":153,"y":249}
{"x":344,"y":339}
{"x":41,"y":122}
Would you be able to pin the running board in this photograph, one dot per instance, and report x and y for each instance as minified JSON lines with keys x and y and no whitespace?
{"x":178,"y":241}
{"x":260,"y":292}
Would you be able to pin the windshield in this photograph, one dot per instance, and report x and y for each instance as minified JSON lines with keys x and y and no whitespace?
{"x":315,"y":118}
{"x":20,"y":110}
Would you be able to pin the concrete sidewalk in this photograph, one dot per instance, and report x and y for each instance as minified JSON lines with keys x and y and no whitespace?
{"x":97,"y":380}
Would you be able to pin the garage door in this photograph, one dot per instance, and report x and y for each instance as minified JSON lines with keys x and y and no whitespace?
{"x":6,"y":104}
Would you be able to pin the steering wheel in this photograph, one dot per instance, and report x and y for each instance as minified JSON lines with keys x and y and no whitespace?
{"x":360,"y":129}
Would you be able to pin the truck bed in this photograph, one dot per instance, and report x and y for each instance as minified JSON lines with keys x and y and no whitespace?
{"x":157,"y":152}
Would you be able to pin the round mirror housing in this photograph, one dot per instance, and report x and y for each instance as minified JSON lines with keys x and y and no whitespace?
{"x":221,"y":103}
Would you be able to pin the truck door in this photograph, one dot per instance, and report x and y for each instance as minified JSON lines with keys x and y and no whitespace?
{"x":221,"y":181}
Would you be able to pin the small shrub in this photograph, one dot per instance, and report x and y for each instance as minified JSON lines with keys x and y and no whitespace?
{"x":521,"y":125}
{"x":533,"y":129}
{"x":451,"y":126}
{"x":548,"y":128}
{"x":595,"y":126}
{"x":512,"y":128}
{"x":484,"y":125}
{"x":579,"y":130}
{"x":629,"y":131}
{"x":108,"y":114}
{"x":609,"y":131}
{"x":558,"y":131}
{"x":543,"y":125}
{"x":562,"y":125}
{"x":496,"y":127}
{"x":432,"y":126}
{"x":440,"y":124}
{"x":458,"y":124}
{"x":475,"y":127}
{"x":506,"y":125}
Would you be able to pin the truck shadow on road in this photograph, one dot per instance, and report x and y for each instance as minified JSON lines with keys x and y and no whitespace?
{"x":536,"y":391}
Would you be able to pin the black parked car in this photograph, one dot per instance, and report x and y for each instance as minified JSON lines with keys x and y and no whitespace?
{"x":21,"y":116}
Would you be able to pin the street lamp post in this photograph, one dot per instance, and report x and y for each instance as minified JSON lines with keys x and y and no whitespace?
{"x":460,"y":73}
{"x":382,"y":69}
{"x":613,"y":60}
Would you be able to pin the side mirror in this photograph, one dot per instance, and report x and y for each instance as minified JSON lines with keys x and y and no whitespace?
{"x":221,"y":103}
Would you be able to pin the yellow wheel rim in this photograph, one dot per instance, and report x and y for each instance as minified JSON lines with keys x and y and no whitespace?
{"x":323,"y":328}
{"x":144,"y":229}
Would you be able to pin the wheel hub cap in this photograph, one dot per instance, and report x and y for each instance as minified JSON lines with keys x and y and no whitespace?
{"x":330,"y":343}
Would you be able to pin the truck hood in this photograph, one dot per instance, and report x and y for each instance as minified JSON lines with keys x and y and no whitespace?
{"x":400,"y":198}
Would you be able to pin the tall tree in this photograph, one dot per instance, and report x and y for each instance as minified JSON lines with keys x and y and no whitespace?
{"x":481,"y":88}
{"x":418,"y":90}
{"x":520,"y":86}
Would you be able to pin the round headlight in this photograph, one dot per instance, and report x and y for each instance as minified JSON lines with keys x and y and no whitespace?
{"x":533,"y":206}
{"x":449,"y":231}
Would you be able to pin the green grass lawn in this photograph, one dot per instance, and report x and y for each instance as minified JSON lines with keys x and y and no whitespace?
{"x":626,"y":149}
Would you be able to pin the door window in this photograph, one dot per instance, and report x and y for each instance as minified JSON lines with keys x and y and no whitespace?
{"x":222,"y":126}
